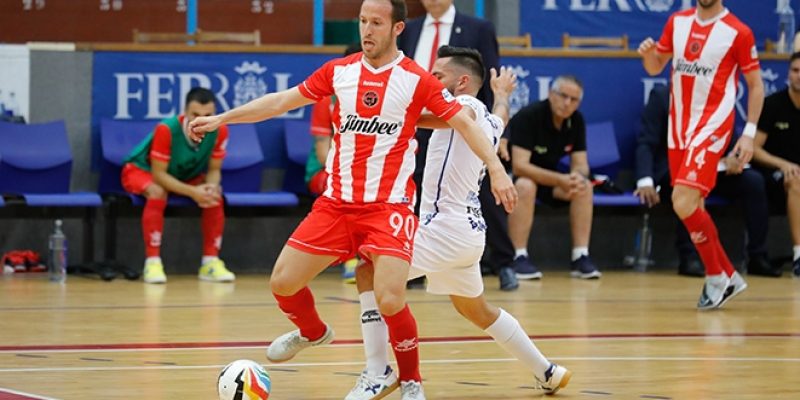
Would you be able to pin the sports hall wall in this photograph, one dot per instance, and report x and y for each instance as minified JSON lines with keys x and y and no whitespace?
{"x":82,"y":86}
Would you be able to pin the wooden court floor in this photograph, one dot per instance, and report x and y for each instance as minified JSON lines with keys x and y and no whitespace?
{"x":627,"y":336}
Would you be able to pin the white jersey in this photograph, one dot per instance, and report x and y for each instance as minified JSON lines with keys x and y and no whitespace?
{"x":453,"y":175}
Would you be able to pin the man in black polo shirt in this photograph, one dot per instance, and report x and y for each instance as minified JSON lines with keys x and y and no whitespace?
{"x":541,"y":134}
{"x":777,"y":152}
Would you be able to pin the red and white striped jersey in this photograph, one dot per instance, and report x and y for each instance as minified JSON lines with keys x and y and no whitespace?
{"x":372,"y":156}
{"x":707,"y":57}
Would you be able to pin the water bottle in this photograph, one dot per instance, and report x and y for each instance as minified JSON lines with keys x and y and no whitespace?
{"x":786,"y":27}
{"x":57,"y":267}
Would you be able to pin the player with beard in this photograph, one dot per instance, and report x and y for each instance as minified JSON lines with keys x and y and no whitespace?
{"x":709,"y":47}
{"x":366,"y":208}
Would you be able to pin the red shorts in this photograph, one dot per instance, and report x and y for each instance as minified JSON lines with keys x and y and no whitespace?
{"x":345,"y":229}
{"x":696,"y":166}
{"x":136,"y":180}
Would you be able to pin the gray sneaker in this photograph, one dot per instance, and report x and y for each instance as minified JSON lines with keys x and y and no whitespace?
{"x":289,"y":344}
{"x":713,"y":291}
{"x":556,"y":377}
{"x":736,"y":286}
{"x":369,"y":387}
{"x":411,"y":390}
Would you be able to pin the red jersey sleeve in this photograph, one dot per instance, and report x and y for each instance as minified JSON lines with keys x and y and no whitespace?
{"x":745,"y":51}
{"x":321,"y":118}
{"x":664,"y":44}
{"x":162,"y":143}
{"x":221,"y":144}
{"x":439,"y":100}
{"x":319,"y":84}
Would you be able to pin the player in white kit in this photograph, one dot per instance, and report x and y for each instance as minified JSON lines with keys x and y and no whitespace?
{"x":450,"y":239}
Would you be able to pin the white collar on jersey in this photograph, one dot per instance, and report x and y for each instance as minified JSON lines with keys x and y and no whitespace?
{"x":712,"y":20}
{"x":386,"y":67}
{"x":449,"y":17}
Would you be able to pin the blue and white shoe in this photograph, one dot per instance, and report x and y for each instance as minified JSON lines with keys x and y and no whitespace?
{"x":369,"y":387}
{"x":796,"y":268}
{"x":556,"y":377}
{"x":714,"y":290}
{"x":524,"y":268}
{"x":737,"y":285}
{"x":584,"y":268}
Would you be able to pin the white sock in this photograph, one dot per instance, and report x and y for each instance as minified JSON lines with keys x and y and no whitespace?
{"x":796,"y":252}
{"x":520,"y":252}
{"x":577,"y":252}
{"x":207,"y":259}
{"x":149,"y":260}
{"x":375,"y":334}
{"x":508,"y":333}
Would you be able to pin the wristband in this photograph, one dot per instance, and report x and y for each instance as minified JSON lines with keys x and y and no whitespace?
{"x":749,"y":130}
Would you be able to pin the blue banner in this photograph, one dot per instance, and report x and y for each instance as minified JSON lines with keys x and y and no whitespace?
{"x":548,"y":20}
{"x":615,"y":89}
{"x":153,"y":86}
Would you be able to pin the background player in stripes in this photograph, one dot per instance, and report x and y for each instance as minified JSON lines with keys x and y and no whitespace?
{"x":709,"y":46}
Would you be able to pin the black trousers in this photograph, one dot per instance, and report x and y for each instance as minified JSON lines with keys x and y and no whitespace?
{"x":749,"y":191}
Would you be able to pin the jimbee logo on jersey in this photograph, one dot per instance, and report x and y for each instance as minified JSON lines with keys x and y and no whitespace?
{"x":372,"y":126}
{"x":370,"y":99}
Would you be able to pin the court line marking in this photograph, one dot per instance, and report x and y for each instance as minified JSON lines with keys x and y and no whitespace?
{"x":24,"y":395}
{"x":439,"y":361}
{"x":184,"y":346}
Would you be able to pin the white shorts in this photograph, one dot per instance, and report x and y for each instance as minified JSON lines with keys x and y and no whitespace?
{"x":451,"y":264}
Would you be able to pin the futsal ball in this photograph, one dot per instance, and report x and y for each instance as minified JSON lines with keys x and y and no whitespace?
{"x":243,"y":380}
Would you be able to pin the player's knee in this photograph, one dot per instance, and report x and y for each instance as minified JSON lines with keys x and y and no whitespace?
{"x":365,"y":275}
{"x":280,"y":284}
{"x":477,"y":313}
{"x":390,"y":303}
{"x":155,"y":191}
{"x":683,"y":204}
{"x":526,"y":188}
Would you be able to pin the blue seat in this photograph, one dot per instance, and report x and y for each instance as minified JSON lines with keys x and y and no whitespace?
{"x":297,"y":135}
{"x":241,"y":169}
{"x":36,"y":164}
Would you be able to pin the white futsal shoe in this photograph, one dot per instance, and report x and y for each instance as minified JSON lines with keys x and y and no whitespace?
{"x":289,"y":344}
{"x":736,"y":286}
{"x":556,"y":377}
{"x":370,"y":387}
{"x":713,"y":291}
{"x":411,"y":390}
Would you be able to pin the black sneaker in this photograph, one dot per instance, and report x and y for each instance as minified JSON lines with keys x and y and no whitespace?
{"x":508,"y":280}
{"x":796,"y":268}
{"x":761,"y":266}
{"x":524,"y":269}
{"x":584,"y":268}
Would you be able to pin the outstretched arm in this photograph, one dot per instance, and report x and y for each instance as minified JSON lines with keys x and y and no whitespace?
{"x":265,"y":107}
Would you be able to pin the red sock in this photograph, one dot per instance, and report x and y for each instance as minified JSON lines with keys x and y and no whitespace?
{"x":724,"y":261}
{"x":153,"y":226}
{"x":213,"y":222}
{"x":405,"y":343}
{"x":299,"y":308}
{"x":704,"y":236}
